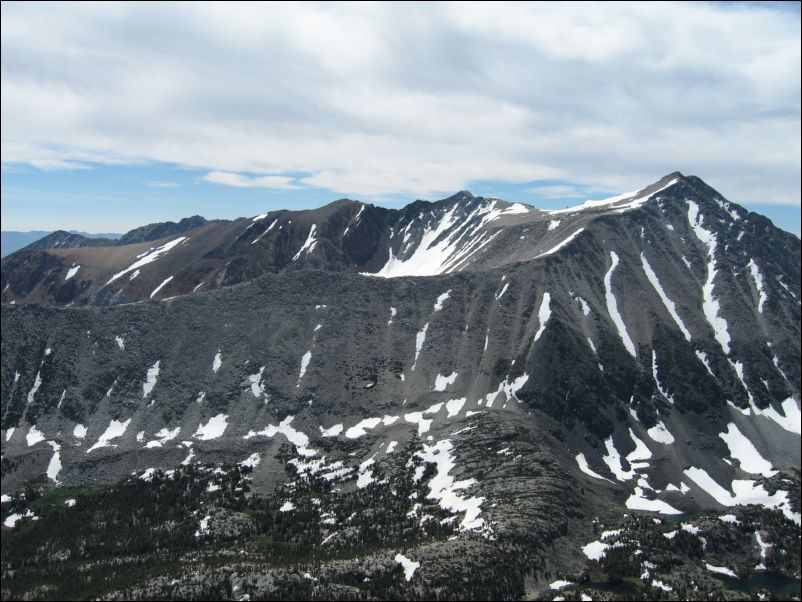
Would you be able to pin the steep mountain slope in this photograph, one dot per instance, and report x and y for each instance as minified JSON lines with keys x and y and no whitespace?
{"x":640,"y":353}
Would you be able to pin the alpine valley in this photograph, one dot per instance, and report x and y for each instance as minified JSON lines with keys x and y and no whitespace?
{"x":465,"y":399}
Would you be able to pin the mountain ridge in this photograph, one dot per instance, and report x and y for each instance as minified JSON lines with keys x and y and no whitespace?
{"x":394,"y":242}
{"x":639,"y":357}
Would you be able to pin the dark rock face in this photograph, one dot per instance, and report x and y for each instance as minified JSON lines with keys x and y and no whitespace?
{"x":161,"y":230}
{"x":537,"y":370}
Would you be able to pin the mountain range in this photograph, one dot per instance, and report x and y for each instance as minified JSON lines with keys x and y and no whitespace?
{"x":12,"y":240}
{"x":468,"y":398}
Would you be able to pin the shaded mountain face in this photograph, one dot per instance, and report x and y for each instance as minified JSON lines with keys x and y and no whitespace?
{"x":161,"y":229}
{"x":526,"y":378}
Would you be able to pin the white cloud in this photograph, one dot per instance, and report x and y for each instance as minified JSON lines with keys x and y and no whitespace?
{"x":240,"y":181}
{"x":372,"y":99}
{"x":566,"y":191}
{"x":161,"y":184}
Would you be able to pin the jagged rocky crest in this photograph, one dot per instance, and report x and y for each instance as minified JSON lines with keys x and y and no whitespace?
{"x":640,"y":353}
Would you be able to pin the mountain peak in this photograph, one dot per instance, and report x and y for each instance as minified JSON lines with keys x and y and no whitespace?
{"x":666,"y":180}
{"x":662,"y":183}
{"x":462,"y":195}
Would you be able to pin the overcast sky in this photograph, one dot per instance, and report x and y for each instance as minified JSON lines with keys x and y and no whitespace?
{"x":114,"y":115}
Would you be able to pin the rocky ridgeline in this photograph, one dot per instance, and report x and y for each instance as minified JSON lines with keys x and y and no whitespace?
{"x":465,"y":395}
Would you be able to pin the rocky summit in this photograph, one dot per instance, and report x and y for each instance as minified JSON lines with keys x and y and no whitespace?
{"x":465,"y":399}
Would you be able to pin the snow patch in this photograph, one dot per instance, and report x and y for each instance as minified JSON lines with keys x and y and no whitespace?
{"x":438,"y":304}
{"x":294,"y":436}
{"x":163,"y":436}
{"x":710,"y":304}
{"x":304,"y":364}
{"x":203,"y":526}
{"x":758,"y":278}
{"x":510,"y":390}
{"x":638,"y":501}
{"x":720,"y":569}
{"x":365,"y":476}
{"x":213,"y":429}
{"x":251,"y":461}
{"x":115,"y":430}
{"x":420,"y":338}
{"x":54,"y":466}
{"x":423,"y":423}
{"x":150,"y":379}
{"x":332,"y":431}
{"x":408,"y":565}
{"x":660,"y":433}
{"x":582,"y":303}
{"x":308,"y":245}
{"x":584,"y":467}
{"x":445,"y":489}
{"x":703,"y":358}
{"x":636,"y":199}
{"x":613,"y":461}
{"x":560,"y":245}
{"x":37,"y":382}
{"x":595,"y":550}
{"x":148,"y":257}
{"x":442,"y":382}
{"x":792,"y":421}
{"x":743,"y":492}
{"x":667,"y":303}
{"x":257,"y":386}
{"x":438,"y":252}
{"x":454,"y":406}
{"x":34,"y":436}
{"x":663,"y":392}
{"x":358,"y":429}
{"x":71,"y":272}
{"x":269,"y":228}
{"x":612,"y":307}
{"x":663,"y":586}
{"x":160,"y":287}
{"x":12,"y":519}
{"x":641,"y":451}
{"x":764,"y":546}
{"x":543,"y":314}
{"x":743,"y":450}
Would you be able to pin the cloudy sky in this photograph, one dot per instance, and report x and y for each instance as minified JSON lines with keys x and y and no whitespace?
{"x":114,"y":115}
